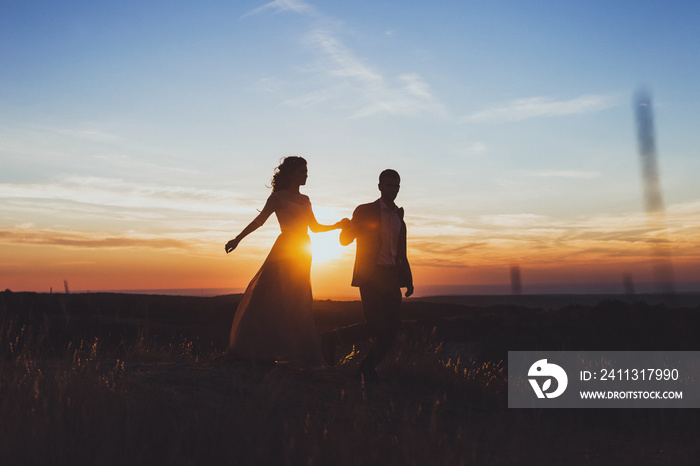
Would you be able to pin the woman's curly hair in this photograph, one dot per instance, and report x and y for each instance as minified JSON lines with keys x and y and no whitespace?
{"x":283,"y":173}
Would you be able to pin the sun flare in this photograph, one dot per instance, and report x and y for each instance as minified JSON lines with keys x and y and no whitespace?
{"x":325,"y":247}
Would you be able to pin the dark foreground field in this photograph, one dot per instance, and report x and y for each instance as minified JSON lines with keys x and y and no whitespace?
{"x":127,"y":379}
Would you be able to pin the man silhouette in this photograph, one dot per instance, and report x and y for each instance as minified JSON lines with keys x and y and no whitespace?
{"x":381,"y":270}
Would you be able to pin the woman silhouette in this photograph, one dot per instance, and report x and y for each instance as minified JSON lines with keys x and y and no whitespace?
{"x":273,"y":321}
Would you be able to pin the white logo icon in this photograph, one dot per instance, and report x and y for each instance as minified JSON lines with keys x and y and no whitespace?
{"x":543,"y":370}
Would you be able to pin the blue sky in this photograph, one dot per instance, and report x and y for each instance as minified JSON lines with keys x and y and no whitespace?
{"x":511,"y":123}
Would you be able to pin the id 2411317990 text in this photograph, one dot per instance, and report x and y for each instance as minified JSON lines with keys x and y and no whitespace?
{"x":630,"y":375}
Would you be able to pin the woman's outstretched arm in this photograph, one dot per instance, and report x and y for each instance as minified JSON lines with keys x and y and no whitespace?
{"x":318,"y":228}
{"x":254,"y":225}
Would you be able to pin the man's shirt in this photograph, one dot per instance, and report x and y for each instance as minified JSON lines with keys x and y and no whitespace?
{"x":391,"y":227}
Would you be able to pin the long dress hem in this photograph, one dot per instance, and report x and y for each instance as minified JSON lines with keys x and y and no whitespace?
{"x":274,"y":319}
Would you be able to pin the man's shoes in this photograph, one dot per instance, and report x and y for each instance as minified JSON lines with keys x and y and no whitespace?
{"x":328,"y":346}
{"x":365,"y":376}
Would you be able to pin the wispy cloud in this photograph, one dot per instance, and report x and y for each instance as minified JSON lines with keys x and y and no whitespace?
{"x":514,"y":220}
{"x":477,"y":147}
{"x":191,"y":214}
{"x":535,"y":107}
{"x":566,"y":174}
{"x":411,"y":98}
{"x":68,"y":239}
{"x":436,"y":252}
{"x":133,"y":163}
{"x":121,"y":193}
{"x":349,"y":82}
{"x":78,"y":147}
{"x":279,"y":6}
{"x":535,"y":239}
{"x":341,"y":78}
{"x":88,"y":133}
{"x":66,"y":211}
{"x":339,"y":60}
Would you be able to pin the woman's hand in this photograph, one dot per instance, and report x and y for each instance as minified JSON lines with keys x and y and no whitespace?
{"x":231,"y":245}
{"x":344,"y":223}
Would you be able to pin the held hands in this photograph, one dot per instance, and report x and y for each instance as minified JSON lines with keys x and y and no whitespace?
{"x":344,"y":223}
{"x":231,"y":245}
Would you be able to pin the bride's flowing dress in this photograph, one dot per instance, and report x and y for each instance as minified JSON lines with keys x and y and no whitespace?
{"x":274,"y":321}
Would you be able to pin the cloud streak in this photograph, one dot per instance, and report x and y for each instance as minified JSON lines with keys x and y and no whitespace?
{"x":58,"y":238}
{"x":578,"y":174}
{"x":280,"y":6}
{"x":537,"y":107}
{"x":348,"y":82}
{"x":114,"y":192}
{"x":190,"y":214}
{"x":339,"y":77}
{"x":539,"y":240}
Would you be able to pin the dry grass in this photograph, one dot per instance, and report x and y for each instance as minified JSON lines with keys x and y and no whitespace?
{"x":151,"y":402}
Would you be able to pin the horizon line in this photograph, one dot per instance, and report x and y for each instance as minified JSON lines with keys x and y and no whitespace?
{"x":642,"y":288}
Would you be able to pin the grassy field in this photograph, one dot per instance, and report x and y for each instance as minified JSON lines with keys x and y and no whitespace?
{"x":123,"y":379}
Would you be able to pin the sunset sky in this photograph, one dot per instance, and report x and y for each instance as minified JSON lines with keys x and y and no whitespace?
{"x":136,"y":138}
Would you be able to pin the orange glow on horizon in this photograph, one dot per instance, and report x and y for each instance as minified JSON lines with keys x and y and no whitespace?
{"x":592,"y":250}
{"x":28,"y":267}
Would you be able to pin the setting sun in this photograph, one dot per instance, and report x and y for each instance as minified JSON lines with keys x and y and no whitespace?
{"x":325,"y":247}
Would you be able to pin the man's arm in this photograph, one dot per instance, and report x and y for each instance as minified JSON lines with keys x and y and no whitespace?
{"x":349,"y":233}
{"x":408,"y":278}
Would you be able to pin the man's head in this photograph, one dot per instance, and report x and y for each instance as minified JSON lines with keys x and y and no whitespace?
{"x":389,"y":184}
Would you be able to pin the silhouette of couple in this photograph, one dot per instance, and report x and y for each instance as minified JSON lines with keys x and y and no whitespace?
{"x":274,"y":321}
